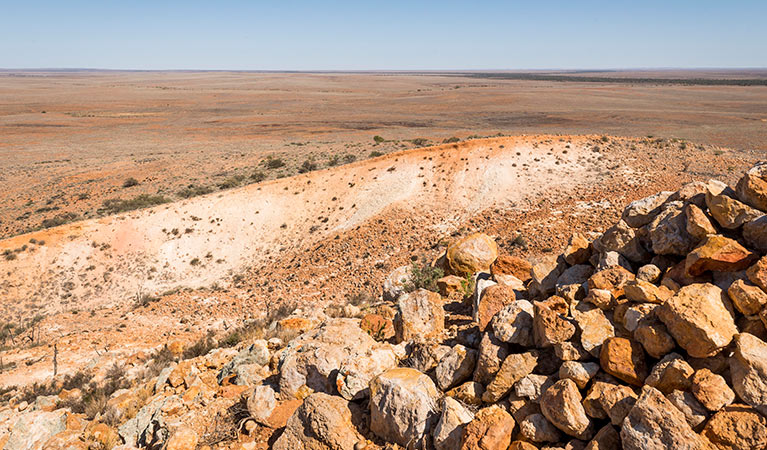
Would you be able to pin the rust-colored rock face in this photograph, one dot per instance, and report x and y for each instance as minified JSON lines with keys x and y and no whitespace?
{"x":474,"y":253}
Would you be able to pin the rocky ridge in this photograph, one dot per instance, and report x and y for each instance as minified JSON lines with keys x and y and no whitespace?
{"x":650,"y":335}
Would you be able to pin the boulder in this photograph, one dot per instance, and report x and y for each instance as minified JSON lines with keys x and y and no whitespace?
{"x":420,"y":316}
{"x":624,"y":359}
{"x":654,"y":423}
{"x":396,"y":282}
{"x":711,"y":390}
{"x":698,"y":223}
{"x":580,"y":372}
{"x":654,"y":337}
{"x":748,"y":368}
{"x":492,"y":300}
{"x":314,"y":358}
{"x":449,"y":429}
{"x":698,"y":319}
{"x":755,"y":233}
{"x":322,"y":422}
{"x":613,"y":279}
{"x":649,"y":273}
{"x":578,"y":250}
{"x":752,"y":187}
{"x":693,"y":411}
{"x":623,"y":239}
{"x":514,"y":367}
{"x":725,"y":209}
{"x":646,"y":292}
{"x":617,"y":400}
{"x":403,"y":406}
{"x":670,"y":374}
{"x":514,"y":323}
{"x":473,"y":253}
{"x":737,"y":427}
{"x":641,"y":212}
{"x":594,"y":326}
{"x":455,"y":367}
{"x":355,"y":373}
{"x":550,"y":327}
{"x":469,"y":393}
{"x":490,"y":430}
{"x":253,"y":356}
{"x":668,"y":231}
{"x":607,"y":438}
{"x":718,"y":253}
{"x":747,"y":298}
{"x":561,"y":404}
{"x":33,"y":429}
{"x":531,"y":386}
{"x":261,"y":403}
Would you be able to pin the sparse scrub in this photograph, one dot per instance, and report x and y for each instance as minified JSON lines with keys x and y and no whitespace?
{"x":378,"y":139}
{"x":194,"y":190}
{"x":307,"y":166}
{"x":117,"y":205}
{"x":424,"y":276}
{"x":59,"y":219}
{"x":451,"y":140}
{"x":258,"y":176}
{"x":274,"y":163}
{"x":130,"y":182}
{"x":375,"y":154}
{"x":231,"y":182}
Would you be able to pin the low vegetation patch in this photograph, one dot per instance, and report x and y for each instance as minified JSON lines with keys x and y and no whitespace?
{"x":194,"y":190}
{"x":117,"y":205}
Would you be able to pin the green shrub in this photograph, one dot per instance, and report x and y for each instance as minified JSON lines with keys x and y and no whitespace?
{"x":59,"y":219}
{"x":231,"y":182}
{"x":375,"y":154}
{"x":349,"y":158}
{"x":420,"y":142}
{"x":130,"y":182}
{"x":424,"y":276}
{"x":193,"y":191}
{"x":451,"y":140}
{"x":378,"y":139}
{"x":117,"y":205}
{"x":258,"y":176}
{"x":333,"y":161}
{"x":307,"y":166}
{"x":274,"y":163}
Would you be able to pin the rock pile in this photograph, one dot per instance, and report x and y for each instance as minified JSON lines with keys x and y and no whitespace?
{"x":651,"y":335}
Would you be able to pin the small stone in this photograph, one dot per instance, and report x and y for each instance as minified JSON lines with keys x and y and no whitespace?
{"x":491,"y":429}
{"x":450,"y":285}
{"x":580,"y":372}
{"x":601,"y":298}
{"x":624,"y":359}
{"x":671,"y":373}
{"x":711,"y":390}
{"x":514,"y":367}
{"x":617,"y":400}
{"x":641,"y":212}
{"x":492,"y":300}
{"x":449,"y":429}
{"x":514,"y":323}
{"x":613,"y":279}
{"x":646,"y":292}
{"x":718,"y":253}
{"x":492,"y":352}
{"x":570,"y":351}
{"x":748,"y":368}
{"x":698,"y":224}
{"x":578,"y":250}
{"x":693,"y":411}
{"x":536,"y":428}
{"x":698,"y":319}
{"x":561,"y":405}
{"x":531,"y":386}
{"x":455,"y":367}
{"x":396,"y":282}
{"x":420,"y":316}
{"x":649,"y":273}
{"x":550,"y":327}
{"x":469,"y":393}
{"x":655,"y":338}
{"x":511,"y":265}
{"x":473,"y":253}
{"x":747,"y":298}
{"x":261,"y":403}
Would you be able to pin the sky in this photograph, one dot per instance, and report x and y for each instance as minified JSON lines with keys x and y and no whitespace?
{"x":382,"y":35}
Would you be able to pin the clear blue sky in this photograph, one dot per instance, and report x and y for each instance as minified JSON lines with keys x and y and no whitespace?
{"x":393,"y":34}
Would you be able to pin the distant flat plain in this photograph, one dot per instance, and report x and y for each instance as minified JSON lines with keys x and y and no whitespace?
{"x":70,"y":139}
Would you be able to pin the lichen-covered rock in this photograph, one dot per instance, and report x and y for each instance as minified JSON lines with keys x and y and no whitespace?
{"x":403,"y":406}
{"x":699,"y":320}
{"x":748,"y":368}
{"x":322,"y":422}
{"x":654,"y":423}
{"x":473,"y":253}
{"x":514,"y":323}
{"x":420,"y":316}
{"x":561,"y":404}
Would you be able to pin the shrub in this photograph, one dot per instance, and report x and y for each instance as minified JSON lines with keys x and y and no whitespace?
{"x":59,"y":219}
{"x":424,"y":276}
{"x":378,"y":139}
{"x":193,"y":191}
{"x":307,"y":166}
{"x":333,"y":161}
{"x":349,"y":158}
{"x":451,"y":140}
{"x":117,"y":205}
{"x":258,"y":176}
{"x":375,"y":154}
{"x":231,"y":182}
{"x":274,"y":163}
{"x":420,"y":142}
{"x":130,"y":182}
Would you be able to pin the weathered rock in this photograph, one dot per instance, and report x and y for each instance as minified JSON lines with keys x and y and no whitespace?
{"x":654,"y":337}
{"x":654,"y":423}
{"x":623,"y":239}
{"x":752,"y":187}
{"x":638,"y":313}
{"x":522,"y":445}
{"x":183,"y":438}
{"x":693,"y":411}
{"x":668,"y":231}
{"x":313,"y":358}
{"x":698,"y":224}
{"x":492,"y":352}
{"x":624,"y":359}
{"x":641,"y":212}
{"x":578,"y":250}
{"x":449,"y":429}
{"x":698,"y":319}
{"x":473,"y":253}
{"x":617,"y":400}
{"x":514,"y":323}
{"x":605,"y":260}
{"x":545,"y":274}
{"x":261,"y":403}
{"x":536,"y":428}
{"x":592,"y":404}
{"x":322,"y":422}
{"x":711,"y":390}
{"x":514,"y":367}
{"x":420,"y":316}
{"x":580,"y":372}
{"x":607,"y":438}
{"x":646,"y":292}
{"x":491,"y":430}
{"x":255,"y":355}
{"x":455,"y":367}
{"x":424,"y":356}
{"x":451,"y":284}
{"x":403,"y":406}
{"x":601,"y":298}
{"x":718,"y":253}
{"x":725,"y":209}
{"x":550,"y":327}
{"x":532,"y":386}
{"x":649,"y":273}
{"x":355,"y":373}
{"x":757,"y":273}
{"x":595,"y":327}
{"x":561,"y":404}
{"x":511,"y":265}
{"x":570,"y":351}
{"x":693,"y":192}
{"x":671,"y":373}
{"x":396,"y":282}
{"x":578,"y":275}
{"x":377,"y":326}
{"x":32,"y":430}
{"x":493,"y":299}
{"x":613,"y":279}
{"x":755,"y":233}
{"x":747,"y":298}
{"x":748,"y":368}
{"x":469,"y":393}
{"x":737,"y":427}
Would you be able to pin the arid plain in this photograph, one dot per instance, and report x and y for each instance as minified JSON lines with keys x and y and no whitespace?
{"x":282,"y":189}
